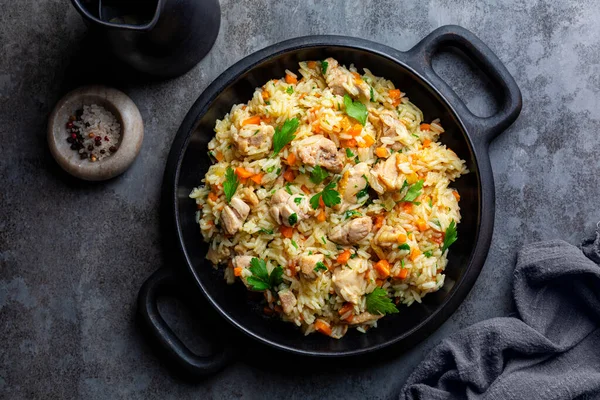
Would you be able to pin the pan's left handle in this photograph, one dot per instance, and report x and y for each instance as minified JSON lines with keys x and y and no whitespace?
{"x":163,"y":283}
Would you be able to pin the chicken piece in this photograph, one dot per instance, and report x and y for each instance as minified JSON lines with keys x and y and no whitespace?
{"x":241,"y":261}
{"x":234,"y":215}
{"x":288,"y":300}
{"x":213,"y":256}
{"x":364,"y":318}
{"x":318,"y":150}
{"x":308,"y":263}
{"x":249,"y":196}
{"x":385,"y":175}
{"x":283,"y":205}
{"x":253,"y":139}
{"x":349,"y":284}
{"x":390,"y":130}
{"x":353,"y":181}
{"x":340,"y":81}
{"x":387,"y":236}
{"x":352,"y":231}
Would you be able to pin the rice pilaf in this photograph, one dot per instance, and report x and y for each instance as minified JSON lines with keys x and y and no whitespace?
{"x":329,"y":194}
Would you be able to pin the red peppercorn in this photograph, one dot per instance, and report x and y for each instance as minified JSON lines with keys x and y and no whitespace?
{"x":106,"y":138}
{"x":69,"y":125}
{"x":74,"y":135}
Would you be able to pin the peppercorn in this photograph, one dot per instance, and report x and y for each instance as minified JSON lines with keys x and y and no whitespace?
{"x":83,"y":155}
{"x":102,"y":151}
{"x":106,"y":138}
{"x":69,"y":125}
{"x":74,"y":135}
{"x":91,"y":135}
{"x":70,"y":140}
{"x":74,"y":146}
{"x":72,"y":118}
{"x":90,"y":147}
{"x":98,"y":144}
{"x":112,"y":149}
{"x":93,"y":158}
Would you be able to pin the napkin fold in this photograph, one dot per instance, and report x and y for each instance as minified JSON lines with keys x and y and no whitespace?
{"x":549,"y":350}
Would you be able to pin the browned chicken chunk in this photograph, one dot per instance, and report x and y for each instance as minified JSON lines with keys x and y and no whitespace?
{"x":363,"y":318}
{"x":254,"y":139}
{"x":288,"y":300}
{"x":385,"y":175}
{"x":308,"y":263}
{"x":349,"y":284}
{"x":284,"y":205}
{"x":352,"y":231}
{"x":341,"y":81}
{"x":353,"y":181}
{"x":234,"y":215}
{"x":318,"y":150}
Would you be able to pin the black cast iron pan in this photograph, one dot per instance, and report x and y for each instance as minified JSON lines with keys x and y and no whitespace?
{"x":467,"y":134}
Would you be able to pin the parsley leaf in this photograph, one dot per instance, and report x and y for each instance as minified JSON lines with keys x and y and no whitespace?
{"x":349,"y":153}
{"x":289,"y":90}
{"x":404,"y":246}
{"x":324,"y":65}
{"x":413,"y":192}
{"x":261,"y":279}
{"x":351,"y":213}
{"x":284,"y":134}
{"x":318,"y":174}
{"x":330,"y":197}
{"x":362,"y":193}
{"x":450,"y":236}
{"x":372,"y":97}
{"x":356,"y":109}
{"x":428,"y":253}
{"x":231,"y":184}
{"x":267,"y":231}
{"x":287,"y":188}
{"x":294,"y":244}
{"x":298,"y":200}
{"x":379,"y":303}
{"x":292,"y":219}
{"x":320,"y":267}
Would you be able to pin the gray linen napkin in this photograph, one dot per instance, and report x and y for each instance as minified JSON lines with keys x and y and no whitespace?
{"x":550,"y":351}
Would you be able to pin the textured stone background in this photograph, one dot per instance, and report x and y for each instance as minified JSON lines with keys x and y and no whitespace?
{"x":73,"y":255}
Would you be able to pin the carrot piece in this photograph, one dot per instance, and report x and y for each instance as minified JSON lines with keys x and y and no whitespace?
{"x":349,"y":318}
{"x":213,"y":196}
{"x":402,"y":238}
{"x":346,"y":308}
{"x":414,"y":253}
{"x":289,"y":175}
{"x":257,"y":178}
{"x":255,"y":120}
{"x":278,"y":308}
{"x":425,"y":127}
{"x":378,"y":221}
{"x":379,"y":282}
{"x":344,"y":257}
{"x":349,"y":143}
{"x":355,"y":130}
{"x":243,"y":173}
{"x":237,"y":271}
{"x":402,"y":274}
{"x":426,"y":143}
{"x":219,"y":156}
{"x":381,"y":152}
{"x":407,"y":207}
{"x":422,"y":225}
{"x":268,"y":311}
{"x":316,"y":127}
{"x":199,"y":206}
{"x":290,"y":79}
{"x":368,"y":141}
{"x":383,"y":268}
{"x":321,"y":203}
{"x":356,"y":75}
{"x":286,"y":231}
{"x":323,"y":327}
{"x":305,"y":189}
{"x":265,"y":95}
{"x":394,"y":94}
{"x":396,"y":102}
{"x":322,"y":216}
{"x":291,"y":159}
{"x":266,"y":119}
{"x":311,"y":64}
{"x":456,"y":195}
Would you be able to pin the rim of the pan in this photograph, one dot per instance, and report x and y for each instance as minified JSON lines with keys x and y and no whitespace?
{"x":227,"y":78}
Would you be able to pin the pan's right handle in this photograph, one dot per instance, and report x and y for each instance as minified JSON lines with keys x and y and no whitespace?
{"x":484,"y":129}
{"x":162,"y":283}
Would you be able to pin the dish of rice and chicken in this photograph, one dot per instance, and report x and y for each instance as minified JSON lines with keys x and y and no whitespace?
{"x":331,"y":195}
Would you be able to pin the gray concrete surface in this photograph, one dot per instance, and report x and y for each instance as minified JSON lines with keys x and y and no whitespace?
{"x":73,"y":255}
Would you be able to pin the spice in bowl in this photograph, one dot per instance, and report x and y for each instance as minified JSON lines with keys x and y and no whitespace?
{"x":93,"y":132}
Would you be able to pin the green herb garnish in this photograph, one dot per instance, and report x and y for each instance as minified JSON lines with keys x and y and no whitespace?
{"x":356,"y":109}
{"x":413,"y":192}
{"x":450,"y":236}
{"x":261,"y":279}
{"x":288,"y":189}
{"x":378,"y":302}
{"x":351,"y":213}
{"x":349,"y":153}
{"x":298,"y":200}
{"x":320,"y":267}
{"x":292,"y":219}
{"x":289,"y":90}
{"x":330,"y":197}
{"x":404,"y":246}
{"x":372,"y":97}
{"x":318,"y":175}
{"x":362,"y":193}
{"x":324,"y":65}
{"x":428,"y":253}
{"x":231,"y":184}
{"x":284,"y":134}
{"x":267,"y":231}
{"x":294,"y":244}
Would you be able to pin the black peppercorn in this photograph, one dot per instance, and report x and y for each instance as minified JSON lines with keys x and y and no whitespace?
{"x":90,"y":147}
{"x":112,"y":149}
{"x":83,"y":155}
{"x":102,"y":151}
{"x":70,"y":139}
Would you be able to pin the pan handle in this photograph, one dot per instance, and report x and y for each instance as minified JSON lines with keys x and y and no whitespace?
{"x":484,"y":129}
{"x":163,"y":283}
